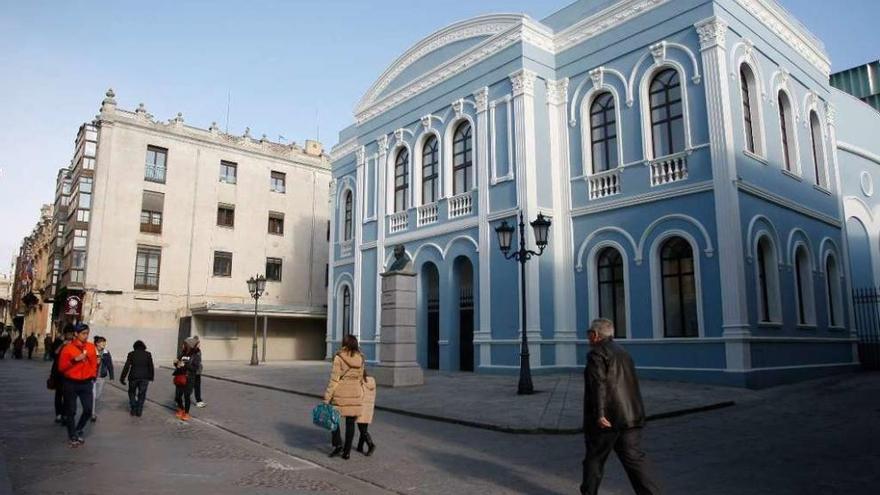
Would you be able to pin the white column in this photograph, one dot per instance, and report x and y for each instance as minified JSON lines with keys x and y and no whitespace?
{"x":358,"y":241}
{"x":484,"y":331}
{"x":527,"y":196}
{"x":381,"y":184}
{"x":731,"y":257}
{"x":561,"y":240}
{"x":331,"y":286}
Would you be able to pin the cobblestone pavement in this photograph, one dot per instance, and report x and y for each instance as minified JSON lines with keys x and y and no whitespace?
{"x":817,"y":437}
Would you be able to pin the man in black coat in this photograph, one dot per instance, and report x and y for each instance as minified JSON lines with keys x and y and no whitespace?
{"x":139,"y":370}
{"x":31,"y":344}
{"x":613,"y":413}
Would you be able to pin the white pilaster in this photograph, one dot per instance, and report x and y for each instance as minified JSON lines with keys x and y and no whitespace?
{"x":731,"y":257}
{"x":360,"y":177}
{"x":381,"y":170}
{"x":331,"y":286}
{"x":484,"y":330}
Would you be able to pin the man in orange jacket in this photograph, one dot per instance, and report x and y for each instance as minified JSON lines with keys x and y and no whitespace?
{"x":78,"y":362}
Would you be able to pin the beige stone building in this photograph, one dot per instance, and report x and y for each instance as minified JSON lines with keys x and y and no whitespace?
{"x":166,"y":222}
{"x":31,"y":306}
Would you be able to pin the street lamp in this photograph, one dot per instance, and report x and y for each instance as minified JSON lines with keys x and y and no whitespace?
{"x":256,"y":286}
{"x":541,"y":227}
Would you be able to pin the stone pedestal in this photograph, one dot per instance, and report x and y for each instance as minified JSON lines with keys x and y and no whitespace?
{"x":397,"y":342}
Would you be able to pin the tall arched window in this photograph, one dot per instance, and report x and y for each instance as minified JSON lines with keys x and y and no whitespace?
{"x":430,"y":169}
{"x":818,"y":150}
{"x":347,"y":230}
{"x":667,"y":116}
{"x":346,"y":311}
{"x":679,"y":289}
{"x":612,"y":291}
{"x":768,"y":282}
{"x":603,"y":133}
{"x":803,"y":281}
{"x":401,"y":180}
{"x":747,"y":90}
{"x":462,"y":159}
{"x":786,"y":126}
{"x":835,"y":296}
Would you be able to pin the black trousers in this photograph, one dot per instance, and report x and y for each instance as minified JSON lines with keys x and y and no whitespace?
{"x":59,"y":399}
{"x":349,"y":434}
{"x":197,"y":387}
{"x":73,"y":391}
{"x":183,"y":396}
{"x":626,"y":443}
{"x":30,"y":352}
{"x":137,"y":395}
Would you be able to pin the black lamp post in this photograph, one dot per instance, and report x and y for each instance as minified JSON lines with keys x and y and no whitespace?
{"x":541,"y":226}
{"x":256,"y":286}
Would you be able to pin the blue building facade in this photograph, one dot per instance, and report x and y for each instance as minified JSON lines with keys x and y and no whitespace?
{"x":686,"y":153}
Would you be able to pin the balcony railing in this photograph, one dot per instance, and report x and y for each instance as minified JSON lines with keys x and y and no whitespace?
{"x":669,"y":169}
{"x":461,"y":205}
{"x":427,"y":215}
{"x":154,"y":173}
{"x":604,"y":184}
{"x":398,"y":222}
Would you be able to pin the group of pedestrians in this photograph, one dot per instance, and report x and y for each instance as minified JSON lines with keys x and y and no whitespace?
{"x":18,"y":344}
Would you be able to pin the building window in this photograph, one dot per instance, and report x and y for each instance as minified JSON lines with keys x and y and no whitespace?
{"x":278,"y":182}
{"x":462,"y":159}
{"x":273,"y":269}
{"x":679,"y":289}
{"x":803,"y":281}
{"x":787,"y":128}
{"x":818,"y":150}
{"x":226,"y":216}
{"x":80,"y":238}
{"x":222,"y":264}
{"x":746,"y":84}
{"x":156,"y":164}
{"x":220,"y":330}
{"x":326,"y":274}
{"x":146,"y":272}
{"x":152,"y":206}
{"x":667,"y":116}
{"x":228,"y":172}
{"x":430,"y":170}
{"x":835,"y":296}
{"x":612,"y":291}
{"x":768,"y":282}
{"x":83,"y":216}
{"x":347,"y":222}
{"x":401,"y":180}
{"x":276,"y":223}
{"x":328,"y":230}
{"x":346,"y":311}
{"x":603,"y":133}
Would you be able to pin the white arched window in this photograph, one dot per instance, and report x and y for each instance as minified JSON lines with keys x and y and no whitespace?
{"x":401,"y":180}
{"x":347,"y":217}
{"x":834,"y":292}
{"x":767,"y":275}
{"x":803,"y":282}
{"x":751,"y":110}
{"x":818,"y":149}
{"x":611,"y":286}
{"x":430,"y":170}
{"x":345,"y":313}
{"x":787,"y":131}
{"x":666,"y":113}
{"x":603,"y":133}
{"x":462,"y":159}
{"x":678,"y":288}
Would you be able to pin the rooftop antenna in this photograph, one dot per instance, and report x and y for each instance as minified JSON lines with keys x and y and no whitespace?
{"x":228,"y":100}
{"x":317,"y":126}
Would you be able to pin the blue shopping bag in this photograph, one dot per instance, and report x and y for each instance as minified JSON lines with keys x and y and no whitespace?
{"x":325,"y":416}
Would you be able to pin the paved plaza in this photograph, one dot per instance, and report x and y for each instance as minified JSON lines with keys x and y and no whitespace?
{"x":819,"y":437}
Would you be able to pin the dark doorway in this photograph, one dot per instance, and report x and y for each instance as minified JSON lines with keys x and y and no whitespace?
{"x":465,"y":275}
{"x":431,"y":281}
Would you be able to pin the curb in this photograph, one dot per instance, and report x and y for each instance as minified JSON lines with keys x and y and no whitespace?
{"x":476,"y":424}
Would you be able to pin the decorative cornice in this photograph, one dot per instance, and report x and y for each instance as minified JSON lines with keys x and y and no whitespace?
{"x":342,"y":150}
{"x":602,"y":21}
{"x":762,"y":193}
{"x":712,"y":31}
{"x":523,"y":82}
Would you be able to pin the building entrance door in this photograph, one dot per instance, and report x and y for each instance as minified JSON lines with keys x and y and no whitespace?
{"x":465,"y":272}
{"x":432,"y":292}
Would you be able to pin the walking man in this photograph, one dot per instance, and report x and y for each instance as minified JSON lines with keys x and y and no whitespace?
{"x":78,"y":362}
{"x":105,"y":370}
{"x":47,"y":347}
{"x":18,"y":347}
{"x":5,"y":342}
{"x":613,"y":413}
{"x":31,"y":344}
{"x":197,"y":383}
{"x":139,"y":370}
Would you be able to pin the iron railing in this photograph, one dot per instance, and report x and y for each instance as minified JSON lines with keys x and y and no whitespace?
{"x":866,"y":304}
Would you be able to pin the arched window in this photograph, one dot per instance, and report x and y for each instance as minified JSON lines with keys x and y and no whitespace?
{"x":462,"y":159}
{"x":786,"y":126}
{"x":679,"y":289}
{"x":667,"y":116}
{"x":401,"y":180}
{"x":803,"y":281}
{"x":768,"y":282}
{"x":749,"y":108}
{"x":603,"y":133}
{"x":818,"y":150}
{"x":612,"y":291}
{"x":347,"y":230}
{"x":835,"y":297}
{"x":430,"y":169}
{"x":346,"y":311}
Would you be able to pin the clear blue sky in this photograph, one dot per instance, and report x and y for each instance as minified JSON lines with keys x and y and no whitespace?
{"x":286,"y":64}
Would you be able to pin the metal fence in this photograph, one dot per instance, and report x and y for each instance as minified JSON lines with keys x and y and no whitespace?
{"x":867,"y":312}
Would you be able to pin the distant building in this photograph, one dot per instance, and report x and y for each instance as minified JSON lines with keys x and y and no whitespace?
{"x":863,"y":82}
{"x":5,"y":300}
{"x":31,"y":306}
{"x":165,"y":223}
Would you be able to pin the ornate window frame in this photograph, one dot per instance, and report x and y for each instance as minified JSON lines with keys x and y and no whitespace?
{"x":774,"y":289}
{"x":586,"y":127}
{"x":805,"y":292}
{"x":645,"y":106}
{"x":593,"y":281}
{"x":657,"y":280}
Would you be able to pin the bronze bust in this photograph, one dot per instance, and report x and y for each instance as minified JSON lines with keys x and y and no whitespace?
{"x":401,"y":259}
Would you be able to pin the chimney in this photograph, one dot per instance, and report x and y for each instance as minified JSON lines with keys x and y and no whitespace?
{"x":314,"y":148}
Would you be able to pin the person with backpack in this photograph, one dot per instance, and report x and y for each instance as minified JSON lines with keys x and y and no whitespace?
{"x":184,"y":374}
{"x":105,"y":370}
{"x":78,"y":362}
{"x":31,"y":344}
{"x":139,"y":370}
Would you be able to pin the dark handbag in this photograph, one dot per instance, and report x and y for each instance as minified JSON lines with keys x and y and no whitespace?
{"x":180,"y":378}
{"x":50,"y":383}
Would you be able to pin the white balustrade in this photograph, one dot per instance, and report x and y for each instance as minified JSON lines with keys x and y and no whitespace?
{"x":461,"y":205}
{"x":604,"y":184}
{"x":427,"y":214}
{"x":666,"y":170}
{"x":398,"y":222}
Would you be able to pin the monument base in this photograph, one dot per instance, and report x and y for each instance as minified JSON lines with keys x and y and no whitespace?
{"x":398,"y":375}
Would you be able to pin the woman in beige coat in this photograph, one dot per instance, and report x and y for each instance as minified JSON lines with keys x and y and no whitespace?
{"x":345,"y":391}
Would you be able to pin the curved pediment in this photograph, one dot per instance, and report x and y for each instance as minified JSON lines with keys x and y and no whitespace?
{"x":438,"y":48}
